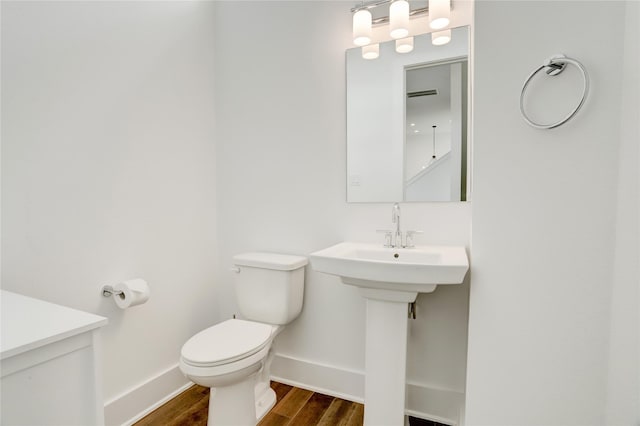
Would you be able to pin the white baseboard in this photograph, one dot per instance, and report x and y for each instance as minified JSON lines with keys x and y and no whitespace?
{"x":329,"y":380}
{"x":440,"y":405}
{"x":137,"y":402}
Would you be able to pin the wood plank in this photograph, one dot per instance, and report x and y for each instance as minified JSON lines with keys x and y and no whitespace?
{"x":357,"y":417}
{"x":195,"y":416}
{"x":280,"y":389}
{"x":415,"y":421}
{"x":313,"y":410}
{"x":273,"y":419}
{"x":175,"y":407}
{"x":292,"y":402}
{"x":338,"y":413}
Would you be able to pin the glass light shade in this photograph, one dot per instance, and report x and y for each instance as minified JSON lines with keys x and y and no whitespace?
{"x":371,"y":51}
{"x":362,"y":27}
{"x":399,"y":19}
{"x":439,"y":11}
{"x":439,"y":38}
{"x":404,"y":45}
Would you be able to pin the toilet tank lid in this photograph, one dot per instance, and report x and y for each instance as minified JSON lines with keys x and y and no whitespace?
{"x":280,"y":262}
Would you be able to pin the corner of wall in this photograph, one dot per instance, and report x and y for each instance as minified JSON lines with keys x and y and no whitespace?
{"x":623,"y":378}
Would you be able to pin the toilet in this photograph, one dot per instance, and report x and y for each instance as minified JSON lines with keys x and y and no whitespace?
{"x":234,"y":356}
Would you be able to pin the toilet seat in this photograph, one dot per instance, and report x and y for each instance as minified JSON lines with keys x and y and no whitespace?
{"x":225,"y":343}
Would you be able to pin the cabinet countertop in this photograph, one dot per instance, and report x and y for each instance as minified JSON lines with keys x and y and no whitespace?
{"x":28,"y":323}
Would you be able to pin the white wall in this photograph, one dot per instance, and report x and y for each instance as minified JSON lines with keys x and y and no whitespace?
{"x":623,"y":385}
{"x":108,"y":169}
{"x":544,"y":215}
{"x":281,"y":161}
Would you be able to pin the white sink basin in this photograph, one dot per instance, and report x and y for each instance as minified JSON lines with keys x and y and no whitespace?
{"x":373,"y":266}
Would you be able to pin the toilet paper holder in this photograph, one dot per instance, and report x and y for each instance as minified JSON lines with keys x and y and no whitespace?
{"x":108,"y":291}
{"x":128,"y":293}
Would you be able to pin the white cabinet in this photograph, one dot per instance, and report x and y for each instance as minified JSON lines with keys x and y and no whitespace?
{"x":50,"y":364}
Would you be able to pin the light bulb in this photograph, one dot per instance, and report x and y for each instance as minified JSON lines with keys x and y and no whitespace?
{"x":404,"y":45}
{"x":439,"y":38}
{"x":371,"y":51}
{"x":439,"y":11}
{"x":399,"y":19}
{"x":362,"y":27}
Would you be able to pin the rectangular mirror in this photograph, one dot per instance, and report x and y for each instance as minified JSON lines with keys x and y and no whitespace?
{"x":394,"y":152}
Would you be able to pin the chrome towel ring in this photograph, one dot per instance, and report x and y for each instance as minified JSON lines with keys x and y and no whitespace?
{"x":554,"y":66}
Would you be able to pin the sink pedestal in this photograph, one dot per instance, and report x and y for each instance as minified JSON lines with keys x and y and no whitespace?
{"x":385,"y":357}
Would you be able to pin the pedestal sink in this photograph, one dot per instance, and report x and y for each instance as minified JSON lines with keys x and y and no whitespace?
{"x":389,"y":278}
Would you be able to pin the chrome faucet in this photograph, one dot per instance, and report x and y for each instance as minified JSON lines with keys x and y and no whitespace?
{"x":396,"y":241}
{"x":393,"y":239}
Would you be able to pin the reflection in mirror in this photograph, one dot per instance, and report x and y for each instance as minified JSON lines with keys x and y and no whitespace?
{"x":390,"y":160}
{"x":435,"y":142}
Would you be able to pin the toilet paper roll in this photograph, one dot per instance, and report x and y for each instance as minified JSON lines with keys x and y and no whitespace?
{"x":134,"y":292}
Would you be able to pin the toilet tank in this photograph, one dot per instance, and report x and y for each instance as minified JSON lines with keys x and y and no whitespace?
{"x":269,"y":286}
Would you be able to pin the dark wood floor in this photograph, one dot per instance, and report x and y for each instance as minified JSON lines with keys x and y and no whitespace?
{"x":294,"y":406}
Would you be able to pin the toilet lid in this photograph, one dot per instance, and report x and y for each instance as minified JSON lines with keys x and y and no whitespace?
{"x":226,"y":342}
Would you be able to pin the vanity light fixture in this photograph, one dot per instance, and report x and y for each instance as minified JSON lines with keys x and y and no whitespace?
{"x":439,"y":38}
{"x":362,"y":27}
{"x":404,"y":45}
{"x":399,"y":19}
{"x":371,"y":51}
{"x":439,"y":11}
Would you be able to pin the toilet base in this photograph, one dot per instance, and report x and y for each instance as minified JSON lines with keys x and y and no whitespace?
{"x":265,"y":399}
{"x":232,"y":405}
{"x":235,"y":396}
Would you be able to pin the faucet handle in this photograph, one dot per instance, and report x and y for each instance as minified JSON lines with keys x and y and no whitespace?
{"x":409,"y":238}
{"x":387,"y":236}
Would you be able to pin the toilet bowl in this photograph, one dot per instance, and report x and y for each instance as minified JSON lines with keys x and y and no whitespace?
{"x":233,"y":357}
{"x":228,"y":357}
